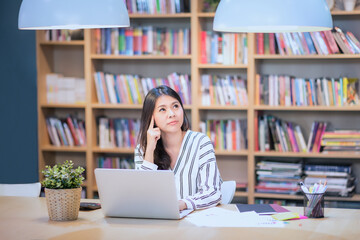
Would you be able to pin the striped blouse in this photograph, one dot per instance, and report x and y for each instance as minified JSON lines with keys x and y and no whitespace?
{"x":196,"y":173}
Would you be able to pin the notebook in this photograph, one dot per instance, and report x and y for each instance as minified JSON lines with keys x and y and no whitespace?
{"x":262,"y":209}
{"x":138,"y":194}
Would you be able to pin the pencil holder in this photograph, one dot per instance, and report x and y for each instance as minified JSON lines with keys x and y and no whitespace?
{"x":314,"y":205}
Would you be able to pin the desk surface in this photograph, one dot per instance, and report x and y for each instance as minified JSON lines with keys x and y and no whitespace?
{"x":27,"y":218}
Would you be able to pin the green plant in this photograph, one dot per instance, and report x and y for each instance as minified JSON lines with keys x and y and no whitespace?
{"x":63,"y":176}
{"x":210,"y":5}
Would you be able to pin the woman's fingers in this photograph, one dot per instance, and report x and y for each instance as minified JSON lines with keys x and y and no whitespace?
{"x":151,"y":126}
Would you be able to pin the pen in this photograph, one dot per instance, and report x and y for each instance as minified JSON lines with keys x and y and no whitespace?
{"x":303,"y":187}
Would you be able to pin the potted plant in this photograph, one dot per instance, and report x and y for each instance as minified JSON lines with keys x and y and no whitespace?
{"x":63,"y":191}
{"x":210,"y":5}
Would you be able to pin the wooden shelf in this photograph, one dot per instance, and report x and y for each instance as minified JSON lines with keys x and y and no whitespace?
{"x":63,"y":43}
{"x":222,"y":66}
{"x":123,"y":106}
{"x":308,"y":155}
{"x":241,"y":194}
{"x":50,"y":148}
{"x":333,"y":13}
{"x":206,"y":14}
{"x":345,"y":13}
{"x":116,"y":106}
{"x":220,"y":107}
{"x":167,"y":15}
{"x":141,"y":57}
{"x":81,"y":60}
{"x":113,"y":150}
{"x":354,"y":198}
{"x":231,"y":153}
{"x":62,"y":105}
{"x":307,"y":108}
{"x":285,"y":57}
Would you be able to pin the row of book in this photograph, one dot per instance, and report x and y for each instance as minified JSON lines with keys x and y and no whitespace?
{"x":316,"y":133}
{"x":223,"y":48}
{"x":145,"y":40}
{"x":278,"y":135}
{"x":338,"y":178}
{"x":278,"y":177}
{"x":64,"y":35}
{"x":158,"y":6}
{"x":118,"y":132}
{"x":297,"y":43}
{"x":341,"y":140}
{"x":226,"y":134}
{"x":60,"y":89}
{"x":66,"y":132}
{"x":284,"y":90}
{"x":115,"y":162}
{"x":284,"y":177}
{"x":132,"y":89}
{"x":227,"y":90}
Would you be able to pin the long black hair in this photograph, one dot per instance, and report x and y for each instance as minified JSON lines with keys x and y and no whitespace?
{"x":161,"y":157}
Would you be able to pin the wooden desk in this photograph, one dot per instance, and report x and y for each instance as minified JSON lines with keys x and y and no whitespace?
{"x":27,"y":218}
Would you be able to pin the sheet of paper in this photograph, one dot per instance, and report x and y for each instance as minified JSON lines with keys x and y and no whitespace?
{"x":218,"y":217}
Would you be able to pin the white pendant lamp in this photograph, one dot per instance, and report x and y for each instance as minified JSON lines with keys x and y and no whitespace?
{"x":272,"y":16}
{"x":72,"y":14}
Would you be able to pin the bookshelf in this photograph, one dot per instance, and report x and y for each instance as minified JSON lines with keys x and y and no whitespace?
{"x":79,"y":59}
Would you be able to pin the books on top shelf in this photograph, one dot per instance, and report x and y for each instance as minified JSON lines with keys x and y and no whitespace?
{"x":297,"y":43}
{"x":278,"y":177}
{"x":341,"y":141}
{"x":132,"y":89}
{"x":227,"y":90}
{"x":64,"y":35}
{"x":338,"y":178}
{"x":60,"y":89}
{"x":116,"y":162}
{"x":120,"y":132}
{"x":145,"y":40}
{"x":274,"y":134}
{"x":158,"y":7}
{"x":228,"y":135}
{"x":66,"y":132}
{"x":223,"y":48}
{"x":284,"y":90}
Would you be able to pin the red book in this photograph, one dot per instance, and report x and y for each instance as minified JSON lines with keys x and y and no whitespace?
{"x":272,"y":43}
{"x":203,"y":58}
{"x":323,"y":36}
{"x":260,"y":43}
{"x":256,"y":126}
{"x":331,"y":40}
{"x":317,"y":137}
{"x":72,"y":130}
{"x":343,"y":38}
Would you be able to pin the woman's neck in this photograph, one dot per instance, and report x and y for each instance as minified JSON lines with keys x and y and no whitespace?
{"x":172,"y":141}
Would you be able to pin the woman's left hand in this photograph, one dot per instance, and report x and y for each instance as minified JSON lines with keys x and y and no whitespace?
{"x":182,"y":205}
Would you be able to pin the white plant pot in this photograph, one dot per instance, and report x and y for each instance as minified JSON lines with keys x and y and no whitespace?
{"x":349,"y":5}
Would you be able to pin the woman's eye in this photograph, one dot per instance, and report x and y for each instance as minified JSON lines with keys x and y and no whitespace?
{"x":162,"y":109}
{"x":176,"y":106}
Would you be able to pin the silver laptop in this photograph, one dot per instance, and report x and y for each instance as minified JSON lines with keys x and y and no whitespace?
{"x":138,"y":194}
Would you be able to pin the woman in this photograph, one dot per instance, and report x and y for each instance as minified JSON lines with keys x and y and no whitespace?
{"x":165,"y":142}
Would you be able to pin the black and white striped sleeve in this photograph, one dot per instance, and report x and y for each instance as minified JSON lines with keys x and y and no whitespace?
{"x":140,"y":163}
{"x":208,"y":179}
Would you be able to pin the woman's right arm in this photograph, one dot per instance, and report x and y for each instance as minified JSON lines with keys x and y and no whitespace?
{"x":147,"y":162}
{"x":140,"y":163}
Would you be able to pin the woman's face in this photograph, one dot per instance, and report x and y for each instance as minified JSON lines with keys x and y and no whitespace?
{"x":168,"y":114}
